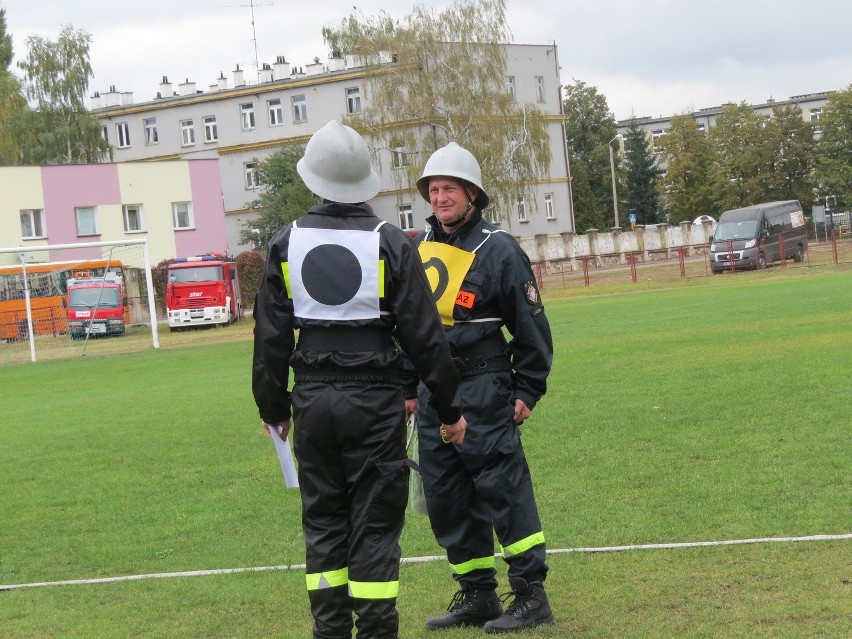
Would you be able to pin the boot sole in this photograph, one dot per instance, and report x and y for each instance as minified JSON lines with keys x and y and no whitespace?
{"x":463,"y":624}
{"x":549,"y":621}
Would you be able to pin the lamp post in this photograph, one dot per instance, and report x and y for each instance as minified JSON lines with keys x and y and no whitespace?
{"x":612,"y":168}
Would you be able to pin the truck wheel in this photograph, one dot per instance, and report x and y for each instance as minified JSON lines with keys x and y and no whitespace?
{"x":761,"y":261}
{"x":799,"y":255}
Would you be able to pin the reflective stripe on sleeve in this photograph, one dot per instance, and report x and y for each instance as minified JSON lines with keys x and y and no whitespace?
{"x":285,"y":271}
{"x":329,"y":579}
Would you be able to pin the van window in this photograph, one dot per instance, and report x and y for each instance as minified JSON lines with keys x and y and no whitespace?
{"x":776,"y":224}
{"x":735,"y":230}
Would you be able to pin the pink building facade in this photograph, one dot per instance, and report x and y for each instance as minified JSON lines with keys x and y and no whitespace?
{"x":176,"y":205}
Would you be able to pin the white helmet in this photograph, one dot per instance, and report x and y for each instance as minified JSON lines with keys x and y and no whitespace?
{"x":337,"y":167}
{"x":453,"y":161}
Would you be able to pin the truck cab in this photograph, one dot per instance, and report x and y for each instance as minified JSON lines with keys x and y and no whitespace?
{"x":96,"y":306}
{"x":202,"y":290}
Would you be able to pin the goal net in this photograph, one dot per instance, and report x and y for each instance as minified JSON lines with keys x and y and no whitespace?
{"x":69,"y":300}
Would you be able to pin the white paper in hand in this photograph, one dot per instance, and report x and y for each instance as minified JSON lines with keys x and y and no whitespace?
{"x":285,"y":456}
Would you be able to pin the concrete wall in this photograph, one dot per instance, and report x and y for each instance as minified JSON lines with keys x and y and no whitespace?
{"x":647,"y":243}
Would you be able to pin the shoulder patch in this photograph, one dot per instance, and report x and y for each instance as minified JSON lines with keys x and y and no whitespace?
{"x":531,"y":292}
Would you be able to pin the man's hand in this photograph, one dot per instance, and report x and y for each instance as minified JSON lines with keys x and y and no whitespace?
{"x":282,"y":428}
{"x":410,"y":408}
{"x":522,"y":411}
{"x":454,"y":433}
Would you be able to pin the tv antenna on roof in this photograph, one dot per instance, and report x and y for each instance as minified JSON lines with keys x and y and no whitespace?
{"x":252,"y":4}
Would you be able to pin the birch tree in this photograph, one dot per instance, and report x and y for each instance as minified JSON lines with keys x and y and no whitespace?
{"x":440,"y":76}
{"x":56,"y":77}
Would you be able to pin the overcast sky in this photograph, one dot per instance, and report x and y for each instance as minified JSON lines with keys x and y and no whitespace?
{"x":649,"y":58}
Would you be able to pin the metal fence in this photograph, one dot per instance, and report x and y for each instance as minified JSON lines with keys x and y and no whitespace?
{"x":683,"y":262}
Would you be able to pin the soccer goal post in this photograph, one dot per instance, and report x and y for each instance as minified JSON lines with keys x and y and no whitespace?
{"x":64,"y":300}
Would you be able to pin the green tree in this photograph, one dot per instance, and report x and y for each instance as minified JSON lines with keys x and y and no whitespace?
{"x":435,"y":77}
{"x":13,"y":105}
{"x":792,"y":151}
{"x":283,"y":197}
{"x":686,"y":186}
{"x":834,"y":160}
{"x":589,"y":127}
{"x":641,"y":175}
{"x":742,"y":157}
{"x":250,"y":265}
{"x":56,"y":76}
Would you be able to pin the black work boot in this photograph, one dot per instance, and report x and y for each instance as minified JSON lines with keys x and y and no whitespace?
{"x":529,"y":608}
{"x":469,"y":607}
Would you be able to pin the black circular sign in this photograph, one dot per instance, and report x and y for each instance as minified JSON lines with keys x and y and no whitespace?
{"x":331,"y":274}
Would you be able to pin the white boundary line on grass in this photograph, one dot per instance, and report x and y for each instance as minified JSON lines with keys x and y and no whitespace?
{"x":420,"y":560}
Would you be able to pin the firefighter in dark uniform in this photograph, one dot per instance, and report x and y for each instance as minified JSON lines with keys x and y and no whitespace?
{"x":349,"y":284}
{"x":483,"y":281}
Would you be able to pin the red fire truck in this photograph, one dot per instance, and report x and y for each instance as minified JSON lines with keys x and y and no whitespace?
{"x":97,"y":306}
{"x":203,"y":290}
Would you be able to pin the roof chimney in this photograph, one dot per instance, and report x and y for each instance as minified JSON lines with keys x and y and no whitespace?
{"x":239,"y":79}
{"x":281,"y":68}
{"x":336,"y":61}
{"x":165,"y":88}
{"x":186,"y":87}
{"x":222,"y":81}
{"x":111,"y":97}
{"x":266,"y":73}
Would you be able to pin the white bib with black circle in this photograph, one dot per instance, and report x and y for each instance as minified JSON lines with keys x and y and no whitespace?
{"x":333,"y":274}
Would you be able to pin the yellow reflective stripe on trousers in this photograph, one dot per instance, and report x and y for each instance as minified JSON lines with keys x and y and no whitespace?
{"x":473,"y":564}
{"x":373,"y":589}
{"x":522,"y":545}
{"x":329,"y":579}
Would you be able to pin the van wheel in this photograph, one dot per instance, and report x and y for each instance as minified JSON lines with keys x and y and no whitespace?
{"x":761,"y":261}
{"x":799,"y":256}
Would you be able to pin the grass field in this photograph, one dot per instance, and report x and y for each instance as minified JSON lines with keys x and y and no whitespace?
{"x":714,"y":412}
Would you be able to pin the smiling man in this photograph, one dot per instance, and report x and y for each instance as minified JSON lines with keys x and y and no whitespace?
{"x":482,"y":281}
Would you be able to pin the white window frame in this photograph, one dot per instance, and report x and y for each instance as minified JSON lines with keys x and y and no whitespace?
{"x":276,"y":115}
{"x":187,"y":133}
{"x":80,"y":221}
{"x":548,"y":207}
{"x":353,"y":100}
{"x":300,"y":108}
{"x":211,"y":129}
{"x":247,"y":122}
{"x":522,"y":210}
{"x":510,"y":85}
{"x":122,"y":132}
{"x":32,"y":224}
{"x":180,"y":209}
{"x":399,"y":158}
{"x":252,"y":179}
{"x":406,"y":217}
{"x":539,"y":88}
{"x":815,"y":116}
{"x":105,"y":133}
{"x":151,"y":135}
{"x":128,"y":212}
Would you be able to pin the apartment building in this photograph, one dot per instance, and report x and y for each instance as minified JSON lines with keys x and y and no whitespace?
{"x":811,"y":105}
{"x":242,"y":123}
